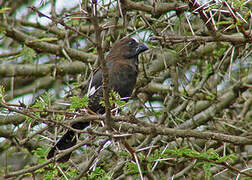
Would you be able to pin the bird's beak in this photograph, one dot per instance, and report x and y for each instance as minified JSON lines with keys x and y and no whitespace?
{"x":141,"y":48}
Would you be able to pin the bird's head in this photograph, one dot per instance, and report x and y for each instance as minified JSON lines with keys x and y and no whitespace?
{"x":127,"y":48}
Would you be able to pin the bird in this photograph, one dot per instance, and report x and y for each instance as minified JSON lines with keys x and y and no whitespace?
{"x":122,"y":65}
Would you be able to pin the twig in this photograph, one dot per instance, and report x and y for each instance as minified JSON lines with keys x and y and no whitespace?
{"x":34,"y":168}
{"x":60,"y":21}
{"x":138,"y":166}
{"x":193,"y":4}
{"x":236,"y":39}
{"x":96,"y":154}
{"x":221,"y":163}
{"x":105,"y":76}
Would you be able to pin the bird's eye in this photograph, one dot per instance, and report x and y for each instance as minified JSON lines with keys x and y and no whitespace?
{"x":131,"y":42}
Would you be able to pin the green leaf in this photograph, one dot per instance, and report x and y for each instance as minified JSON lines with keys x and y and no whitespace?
{"x":73,"y":22}
{"x":43,"y":101}
{"x":223,"y":23}
{"x":114,"y":100}
{"x":226,"y":158}
{"x":132,"y":168}
{"x":78,"y":102}
{"x":28,"y":53}
{"x":99,"y":174}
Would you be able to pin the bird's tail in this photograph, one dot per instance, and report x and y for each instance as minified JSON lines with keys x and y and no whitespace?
{"x":68,"y":140}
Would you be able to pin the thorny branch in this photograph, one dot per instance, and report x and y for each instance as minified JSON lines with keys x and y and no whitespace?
{"x":105,"y":75}
{"x":204,"y":116}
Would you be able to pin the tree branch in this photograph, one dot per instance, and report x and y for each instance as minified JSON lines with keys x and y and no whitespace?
{"x":38,"y":70}
{"x":46,"y":47}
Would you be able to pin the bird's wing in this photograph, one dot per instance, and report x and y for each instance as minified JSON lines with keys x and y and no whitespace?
{"x":123,"y":78}
{"x":94,"y":83}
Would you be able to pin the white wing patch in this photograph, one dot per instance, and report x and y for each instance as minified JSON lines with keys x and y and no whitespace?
{"x":93,"y":90}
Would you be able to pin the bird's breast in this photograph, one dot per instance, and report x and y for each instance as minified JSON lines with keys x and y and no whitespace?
{"x":123,"y":79}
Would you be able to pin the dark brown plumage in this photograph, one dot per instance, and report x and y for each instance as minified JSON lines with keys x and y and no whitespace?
{"x":122,"y":64}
